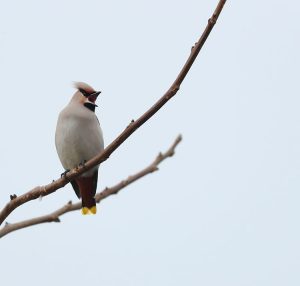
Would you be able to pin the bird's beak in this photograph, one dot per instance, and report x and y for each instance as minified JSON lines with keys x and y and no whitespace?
{"x":96,"y":93}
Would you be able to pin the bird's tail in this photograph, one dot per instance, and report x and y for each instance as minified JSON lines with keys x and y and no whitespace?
{"x":88,"y":206}
{"x":87,"y":187}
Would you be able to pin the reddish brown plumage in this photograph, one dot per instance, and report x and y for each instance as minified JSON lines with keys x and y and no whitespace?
{"x":92,"y":98}
{"x":87,"y":187}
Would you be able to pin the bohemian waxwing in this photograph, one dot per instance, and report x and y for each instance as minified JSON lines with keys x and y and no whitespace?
{"x":78,"y":138}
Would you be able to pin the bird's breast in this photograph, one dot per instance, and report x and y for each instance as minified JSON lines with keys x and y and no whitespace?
{"x":77,"y":138}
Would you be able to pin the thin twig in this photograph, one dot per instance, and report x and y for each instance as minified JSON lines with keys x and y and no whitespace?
{"x":131,"y":128}
{"x":69,"y":207}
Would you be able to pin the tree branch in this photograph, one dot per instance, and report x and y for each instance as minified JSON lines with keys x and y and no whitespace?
{"x":131,"y":128}
{"x":69,"y":207}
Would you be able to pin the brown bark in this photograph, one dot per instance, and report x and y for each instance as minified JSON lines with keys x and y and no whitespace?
{"x":69,"y":207}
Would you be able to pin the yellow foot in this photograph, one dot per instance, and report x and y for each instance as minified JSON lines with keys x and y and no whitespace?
{"x":93,"y":210}
{"x":84,"y":210}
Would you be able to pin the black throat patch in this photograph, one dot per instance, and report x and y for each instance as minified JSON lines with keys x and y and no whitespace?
{"x":90,"y":106}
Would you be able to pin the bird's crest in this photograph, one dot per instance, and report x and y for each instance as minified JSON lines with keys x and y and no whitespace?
{"x":83,"y":86}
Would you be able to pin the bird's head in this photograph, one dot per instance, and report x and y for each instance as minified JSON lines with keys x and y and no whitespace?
{"x":85,"y":95}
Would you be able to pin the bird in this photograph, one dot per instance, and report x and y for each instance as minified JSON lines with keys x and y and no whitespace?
{"x":78,"y":138}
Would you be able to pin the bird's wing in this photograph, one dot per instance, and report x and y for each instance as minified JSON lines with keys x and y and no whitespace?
{"x":76,"y":188}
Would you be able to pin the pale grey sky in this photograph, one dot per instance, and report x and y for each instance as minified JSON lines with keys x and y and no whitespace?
{"x":223,"y":211}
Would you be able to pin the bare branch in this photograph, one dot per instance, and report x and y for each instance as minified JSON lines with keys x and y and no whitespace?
{"x":131,"y":128}
{"x":69,"y":207}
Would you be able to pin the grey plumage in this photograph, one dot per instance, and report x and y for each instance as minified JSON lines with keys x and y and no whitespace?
{"x":78,"y":134}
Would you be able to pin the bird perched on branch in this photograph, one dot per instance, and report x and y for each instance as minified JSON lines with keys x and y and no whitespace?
{"x":78,"y":138}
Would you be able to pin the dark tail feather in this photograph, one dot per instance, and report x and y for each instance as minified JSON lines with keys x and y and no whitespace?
{"x":76,"y":188}
{"x":88,"y":206}
{"x":87,"y":187}
{"x":88,"y":202}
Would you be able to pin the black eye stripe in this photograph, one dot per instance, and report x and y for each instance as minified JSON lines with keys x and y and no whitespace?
{"x":84,"y":93}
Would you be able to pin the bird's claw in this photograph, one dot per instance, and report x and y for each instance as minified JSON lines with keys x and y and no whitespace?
{"x":82,"y":163}
{"x":64,"y":173}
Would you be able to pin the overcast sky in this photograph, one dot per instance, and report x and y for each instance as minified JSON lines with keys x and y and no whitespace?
{"x":224,"y":210}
